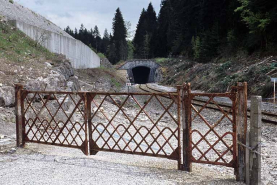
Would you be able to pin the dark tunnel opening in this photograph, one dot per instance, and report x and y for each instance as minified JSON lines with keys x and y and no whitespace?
{"x":141,"y":74}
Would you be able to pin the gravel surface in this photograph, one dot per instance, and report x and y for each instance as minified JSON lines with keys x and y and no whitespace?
{"x":63,"y":166}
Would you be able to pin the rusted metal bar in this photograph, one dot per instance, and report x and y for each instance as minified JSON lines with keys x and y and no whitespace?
{"x":18,"y":108}
{"x":23,"y":96}
{"x":91,"y":143}
{"x":211,"y":94}
{"x":54,"y":144}
{"x":234,"y":115}
{"x":103,"y":93}
{"x":87,"y":110}
{"x":215,"y":163}
{"x":187,"y":128}
{"x":137,"y":153}
{"x":241,"y":131}
{"x":179,"y":88}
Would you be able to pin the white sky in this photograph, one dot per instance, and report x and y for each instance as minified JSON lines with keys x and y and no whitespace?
{"x":89,"y":12}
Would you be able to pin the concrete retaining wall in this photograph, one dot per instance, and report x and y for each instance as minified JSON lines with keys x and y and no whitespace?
{"x":79,"y":54}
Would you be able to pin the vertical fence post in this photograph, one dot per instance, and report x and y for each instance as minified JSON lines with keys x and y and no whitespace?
{"x":186,"y":119}
{"x":255,"y":140}
{"x":91,"y":144}
{"x":179,"y":99}
{"x":19,"y":116}
{"x":87,"y":112}
{"x":241,"y":131}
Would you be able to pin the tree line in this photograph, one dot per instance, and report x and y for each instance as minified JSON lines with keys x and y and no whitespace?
{"x":205,"y":29}
{"x":91,"y":37}
{"x":201,"y":30}
{"x":113,"y":45}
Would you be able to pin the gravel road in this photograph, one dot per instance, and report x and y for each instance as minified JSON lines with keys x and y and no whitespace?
{"x":69,"y":166}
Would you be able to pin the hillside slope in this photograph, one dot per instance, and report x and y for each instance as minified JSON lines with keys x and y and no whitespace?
{"x":219,"y":76}
{"x":24,"y":61}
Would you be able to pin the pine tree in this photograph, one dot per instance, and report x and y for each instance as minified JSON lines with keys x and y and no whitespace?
{"x":97,"y":38}
{"x":76,"y":35}
{"x":162,"y":49}
{"x":105,"y":42}
{"x":138,"y":41}
{"x":118,"y":42}
{"x":145,"y":31}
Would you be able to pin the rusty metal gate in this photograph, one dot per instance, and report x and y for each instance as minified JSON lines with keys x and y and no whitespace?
{"x":211,"y":138}
{"x":92,"y":122}
{"x":127,"y":123}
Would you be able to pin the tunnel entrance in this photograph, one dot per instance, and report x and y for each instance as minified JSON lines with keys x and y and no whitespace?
{"x":141,"y":74}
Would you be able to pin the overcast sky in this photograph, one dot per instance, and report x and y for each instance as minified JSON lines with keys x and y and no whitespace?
{"x":89,"y":12}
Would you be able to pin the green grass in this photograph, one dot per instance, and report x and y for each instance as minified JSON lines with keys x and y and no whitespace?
{"x":102,"y":67}
{"x":17,"y":47}
{"x":161,"y":60}
{"x":101,"y":55}
{"x":116,"y":83}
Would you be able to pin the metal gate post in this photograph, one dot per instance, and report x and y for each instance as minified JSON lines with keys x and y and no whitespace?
{"x":87,"y":113}
{"x":179,"y":88}
{"x":19,"y":116}
{"x":90,"y":97}
{"x":241,"y":127}
{"x":186,"y":119}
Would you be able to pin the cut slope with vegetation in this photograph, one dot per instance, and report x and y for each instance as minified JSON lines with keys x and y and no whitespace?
{"x":221,"y":75}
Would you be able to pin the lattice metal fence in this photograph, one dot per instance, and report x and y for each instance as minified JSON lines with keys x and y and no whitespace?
{"x":150,"y":124}
{"x":127,"y":123}
{"x":92,"y":122}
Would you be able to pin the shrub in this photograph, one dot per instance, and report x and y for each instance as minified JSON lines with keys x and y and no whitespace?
{"x":101,"y":55}
{"x":196,"y":47}
{"x":161,"y":60}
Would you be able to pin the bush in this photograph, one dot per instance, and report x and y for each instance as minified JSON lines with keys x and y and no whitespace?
{"x":115,"y":83}
{"x":222,"y":69}
{"x":161,"y":60}
{"x":101,"y":55}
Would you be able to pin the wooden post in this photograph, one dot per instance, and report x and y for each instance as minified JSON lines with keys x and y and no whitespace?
{"x":18,"y":114}
{"x":241,"y":131}
{"x":186,"y":119}
{"x":255,"y":140}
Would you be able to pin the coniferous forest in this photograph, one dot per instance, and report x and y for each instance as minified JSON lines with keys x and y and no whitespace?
{"x":201,"y":30}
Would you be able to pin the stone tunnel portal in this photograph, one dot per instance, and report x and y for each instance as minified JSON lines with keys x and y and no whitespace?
{"x":142,"y":71}
{"x":141,"y":74}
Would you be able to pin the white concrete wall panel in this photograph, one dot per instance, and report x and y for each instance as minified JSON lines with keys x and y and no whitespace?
{"x":79,"y":54}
